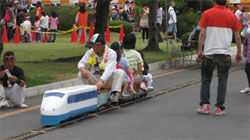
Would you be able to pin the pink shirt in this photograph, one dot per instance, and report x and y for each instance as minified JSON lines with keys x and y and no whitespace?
{"x":53,"y":23}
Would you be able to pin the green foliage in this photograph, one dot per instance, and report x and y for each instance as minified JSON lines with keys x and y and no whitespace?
{"x":186,"y":22}
{"x":66,"y":15}
{"x":185,"y":36}
{"x":126,"y":26}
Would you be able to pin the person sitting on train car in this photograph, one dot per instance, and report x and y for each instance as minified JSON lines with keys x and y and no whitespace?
{"x":12,"y":78}
{"x":134,"y":57}
{"x":102,"y":63}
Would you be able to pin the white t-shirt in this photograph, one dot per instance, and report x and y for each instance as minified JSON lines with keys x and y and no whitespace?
{"x":44,"y":22}
{"x":26,"y":25}
{"x":238,"y":13}
{"x":159,"y":15}
{"x":173,"y":14}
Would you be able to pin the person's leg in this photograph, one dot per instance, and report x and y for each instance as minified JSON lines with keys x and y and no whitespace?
{"x":175,"y":31}
{"x":10,"y":33}
{"x":15,"y":94}
{"x":149,"y":80}
{"x":54,"y":39}
{"x":206,"y":74}
{"x":147,"y":32}
{"x":247,"y":70}
{"x":223,"y":66}
{"x":118,"y":78}
{"x":159,"y":32}
{"x":50,"y":35}
{"x":143,"y":34}
{"x":91,"y":81}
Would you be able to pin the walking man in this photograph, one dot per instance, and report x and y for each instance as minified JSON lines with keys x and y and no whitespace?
{"x":172,"y":21}
{"x":217,"y":27}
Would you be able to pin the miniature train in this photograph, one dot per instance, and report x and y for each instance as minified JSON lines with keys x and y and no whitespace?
{"x":61,"y":104}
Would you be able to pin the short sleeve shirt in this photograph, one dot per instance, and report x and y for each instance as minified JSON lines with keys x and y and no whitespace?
{"x":219,"y":24}
{"x":18,"y":72}
{"x":133,"y":57}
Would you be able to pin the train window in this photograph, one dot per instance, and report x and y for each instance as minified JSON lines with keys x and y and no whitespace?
{"x":60,"y":95}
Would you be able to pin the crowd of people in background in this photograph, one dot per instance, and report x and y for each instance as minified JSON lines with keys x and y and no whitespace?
{"x":19,"y":18}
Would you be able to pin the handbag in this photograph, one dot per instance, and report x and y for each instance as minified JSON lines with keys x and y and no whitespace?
{"x":246,"y":32}
{"x":7,"y":16}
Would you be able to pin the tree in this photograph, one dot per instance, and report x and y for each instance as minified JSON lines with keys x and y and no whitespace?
{"x":153,"y":29}
{"x":3,"y":5}
{"x":102,"y":13}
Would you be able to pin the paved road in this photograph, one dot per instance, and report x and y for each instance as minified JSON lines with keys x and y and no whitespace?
{"x":171,"y":116}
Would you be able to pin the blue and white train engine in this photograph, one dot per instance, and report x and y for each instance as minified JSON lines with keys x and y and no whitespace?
{"x":64,"y":103}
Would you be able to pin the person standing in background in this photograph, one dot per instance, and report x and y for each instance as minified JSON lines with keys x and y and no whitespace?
{"x":81,"y":19}
{"x":217,"y":28}
{"x":53,"y":20}
{"x":246,"y":53}
{"x":38,"y":11}
{"x":172,"y":22}
{"x":144,"y":23}
{"x":159,"y":21}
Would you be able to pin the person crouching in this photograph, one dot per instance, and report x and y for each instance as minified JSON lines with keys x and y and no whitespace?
{"x":101,"y":61}
{"x":12,"y":78}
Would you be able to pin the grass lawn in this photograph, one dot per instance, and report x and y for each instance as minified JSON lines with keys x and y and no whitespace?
{"x":33,"y":58}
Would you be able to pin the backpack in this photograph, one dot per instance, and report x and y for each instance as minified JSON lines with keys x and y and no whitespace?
{"x":6,"y":16}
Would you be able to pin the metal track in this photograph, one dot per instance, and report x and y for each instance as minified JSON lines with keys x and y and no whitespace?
{"x":104,"y":109}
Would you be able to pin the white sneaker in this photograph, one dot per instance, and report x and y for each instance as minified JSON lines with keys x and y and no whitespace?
{"x":22,"y":106}
{"x":125,"y":94}
{"x":150,"y":88}
{"x":143,"y":86}
{"x":246,"y":90}
{"x":4,"y":103}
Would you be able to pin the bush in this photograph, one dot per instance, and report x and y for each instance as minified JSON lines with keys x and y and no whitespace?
{"x":187,"y":22}
{"x":185,"y":36}
{"x":66,"y":15}
{"x":126,"y":26}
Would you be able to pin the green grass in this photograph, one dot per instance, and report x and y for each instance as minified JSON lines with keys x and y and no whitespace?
{"x":47,"y":72}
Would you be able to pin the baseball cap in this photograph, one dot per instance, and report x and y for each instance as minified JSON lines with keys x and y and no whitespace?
{"x":97,"y":39}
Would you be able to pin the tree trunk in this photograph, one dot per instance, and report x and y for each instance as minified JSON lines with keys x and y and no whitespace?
{"x":153,"y":29}
{"x":102,"y":13}
{"x":2,"y":13}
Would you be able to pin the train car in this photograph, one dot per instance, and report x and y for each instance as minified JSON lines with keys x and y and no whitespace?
{"x":61,"y":104}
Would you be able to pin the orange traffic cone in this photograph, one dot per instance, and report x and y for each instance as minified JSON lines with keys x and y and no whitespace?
{"x":34,"y":34}
{"x":74,"y":36}
{"x":83,"y":37}
{"x":107,"y":36}
{"x":17,"y":37}
{"x":91,"y":31}
{"x":121,"y":33}
{"x":5,"y":37}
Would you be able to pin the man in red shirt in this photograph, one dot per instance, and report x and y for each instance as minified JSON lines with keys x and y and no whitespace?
{"x":217,"y":28}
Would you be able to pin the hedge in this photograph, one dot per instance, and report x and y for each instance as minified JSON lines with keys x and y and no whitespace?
{"x":128,"y":27}
{"x":66,"y":15}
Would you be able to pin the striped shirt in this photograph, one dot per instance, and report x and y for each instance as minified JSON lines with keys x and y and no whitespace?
{"x":219,"y":24}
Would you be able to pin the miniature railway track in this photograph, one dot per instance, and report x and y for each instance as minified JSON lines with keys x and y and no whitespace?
{"x":104,"y":109}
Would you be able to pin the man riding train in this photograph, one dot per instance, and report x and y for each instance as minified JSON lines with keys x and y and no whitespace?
{"x":98,"y":67}
{"x":102,"y":63}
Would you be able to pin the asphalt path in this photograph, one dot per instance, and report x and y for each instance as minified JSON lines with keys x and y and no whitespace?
{"x":169,"y":116}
